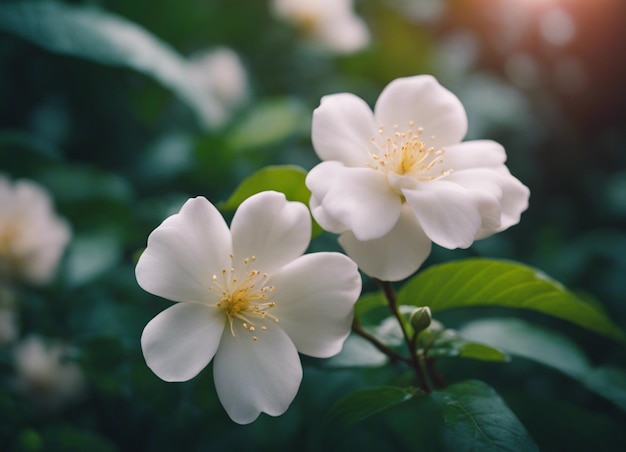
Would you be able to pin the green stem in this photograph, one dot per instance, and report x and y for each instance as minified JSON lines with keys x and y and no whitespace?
{"x":387,"y":288}
{"x":431,"y":371}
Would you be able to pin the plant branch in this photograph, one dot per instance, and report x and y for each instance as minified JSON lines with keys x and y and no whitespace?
{"x":393,"y":355}
{"x":387,"y":288}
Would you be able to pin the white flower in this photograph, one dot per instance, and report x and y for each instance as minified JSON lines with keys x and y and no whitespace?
{"x":330,"y":23}
{"x":32,"y":236}
{"x":395,"y":179}
{"x":44,"y":373}
{"x":248,"y":299}
{"x":220,"y":74}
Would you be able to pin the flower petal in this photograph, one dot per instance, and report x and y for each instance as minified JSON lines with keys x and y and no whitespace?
{"x":514,"y":200}
{"x":474,"y":154}
{"x":429,"y":105}
{"x":327,"y":223}
{"x":394,"y":256}
{"x":179,"y":342}
{"x":342,"y":127}
{"x":448,"y":213}
{"x":184,"y":252}
{"x":344,"y":33}
{"x":509,"y":193}
{"x":314,"y":298}
{"x":256,"y":376}
{"x":270,"y":228}
{"x":359,"y":198}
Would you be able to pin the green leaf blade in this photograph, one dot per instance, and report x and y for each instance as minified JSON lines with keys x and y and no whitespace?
{"x":360,"y":405}
{"x":476,"y":418}
{"x":483,"y":282}
{"x":449,"y":344}
{"x":550,"y":349}
{"x":106,"y":39}
{"x":286,"y":179}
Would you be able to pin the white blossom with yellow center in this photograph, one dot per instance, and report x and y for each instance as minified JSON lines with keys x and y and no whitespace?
{"x":248,"y":299}
{"x":32,"y":236}
{"x":395,"y":179}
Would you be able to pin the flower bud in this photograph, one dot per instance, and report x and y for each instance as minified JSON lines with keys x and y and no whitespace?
{"x":420,"y":319}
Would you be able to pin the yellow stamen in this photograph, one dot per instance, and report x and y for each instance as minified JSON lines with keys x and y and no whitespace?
{"x":405,"y":153}
{"x":244,"y":298}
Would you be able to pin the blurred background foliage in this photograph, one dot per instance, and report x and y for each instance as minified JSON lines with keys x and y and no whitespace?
{"x":119,"y":151}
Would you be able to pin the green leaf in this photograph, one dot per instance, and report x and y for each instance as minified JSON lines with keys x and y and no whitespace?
{"x":287,"y":179}
{"x":283,"y":178}
{"x":357,"y":352}
{"x":90,"y":256}
{"x":107,"y":39}
{"x":77,"y":183}
{"x":362,"y":404}
{"x":270,"y":122}
{"x":482,"y":282}
{"x":449,"y":344}
{"x":16,"y":140}
{"x":368,"y":302}
{"x":476,"y":418}
{"x":529,"y":341}
{"x":552,"y":350}
{"x":608,"y":382}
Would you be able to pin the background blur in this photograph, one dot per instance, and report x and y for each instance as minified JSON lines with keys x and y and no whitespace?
{"x":119,"y":152}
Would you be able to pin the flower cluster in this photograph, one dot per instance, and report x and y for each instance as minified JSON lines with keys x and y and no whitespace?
{"x":392,"y":181}
{"x":248,"y":299}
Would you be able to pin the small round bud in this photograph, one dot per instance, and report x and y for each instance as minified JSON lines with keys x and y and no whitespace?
{"x":420,"y":319}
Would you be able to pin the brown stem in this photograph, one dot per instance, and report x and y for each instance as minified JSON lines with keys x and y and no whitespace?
{"x":414,"y":361}
{"x":393,"y":356}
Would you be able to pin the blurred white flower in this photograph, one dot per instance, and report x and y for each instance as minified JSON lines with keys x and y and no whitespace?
{"x":330,"y":23}
{"x":45,"y":375}
{"x":220,"y":73}
{"x":32,"y":236}
{"x":396,"y":179}
{"x":248,"y":299}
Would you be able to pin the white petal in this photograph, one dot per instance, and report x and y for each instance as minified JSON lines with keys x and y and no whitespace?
{"x":474,"y":154}
{"x":327,"y":223}
{"x":448,"y":213}
{"x":314,"y":298}
{"x":345,"y":34}
{"x":256,"y":376}
{"x":179,"y":342}
{"x":431,"y":106}
{"x":272,"y":229}
{"x":509,"y":193}
{"x":393,"y":257}
{"x":514,"y":199}
{"x":342,"y":127}
{"x":184,"y":252}
{"x":359,"y":198}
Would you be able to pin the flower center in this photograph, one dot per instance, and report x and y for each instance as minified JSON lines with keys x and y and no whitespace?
{"x":405,"y":153}
{"x":307,"y":21}
{"x":244,"y":298}
{"x":8,"y":234}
